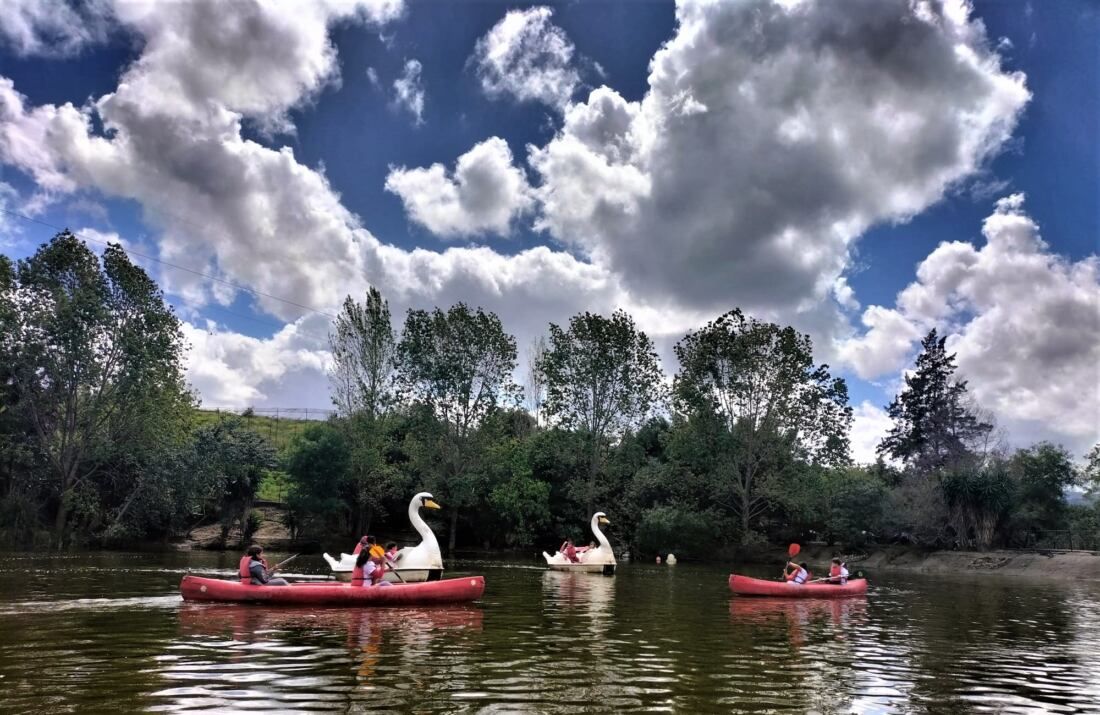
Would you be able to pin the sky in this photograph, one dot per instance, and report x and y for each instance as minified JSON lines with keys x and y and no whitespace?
{"x":864,"y":171}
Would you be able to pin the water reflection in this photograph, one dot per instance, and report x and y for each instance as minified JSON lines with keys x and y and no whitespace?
{"x":112,"y":634}
{"x":240,"y":656}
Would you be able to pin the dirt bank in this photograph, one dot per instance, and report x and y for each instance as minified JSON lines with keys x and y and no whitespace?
{"x":1062,"y":565}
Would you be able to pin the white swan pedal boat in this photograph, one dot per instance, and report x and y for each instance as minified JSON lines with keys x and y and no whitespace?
{"x":600,"y":559}
{"x":423,"y":562}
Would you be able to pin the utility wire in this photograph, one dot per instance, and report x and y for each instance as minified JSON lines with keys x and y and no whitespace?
{"x":171,"y":265}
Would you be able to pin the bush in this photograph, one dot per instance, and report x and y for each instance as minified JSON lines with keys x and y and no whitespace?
{"x":252,"y":525}
{"x":672,"y":529}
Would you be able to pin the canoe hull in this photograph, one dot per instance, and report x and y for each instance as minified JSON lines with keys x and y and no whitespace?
{"x":452,"y":590}
{"x":605,"y":569}
{"x":746,"y":586}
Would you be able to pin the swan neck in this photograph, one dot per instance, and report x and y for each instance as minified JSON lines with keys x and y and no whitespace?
{"x":600,"y":538}
{"x":419,"y":524}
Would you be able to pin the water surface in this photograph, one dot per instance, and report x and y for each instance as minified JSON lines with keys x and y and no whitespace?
{"x":89,"y":632}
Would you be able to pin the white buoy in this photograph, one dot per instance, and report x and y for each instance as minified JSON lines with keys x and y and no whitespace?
{"x":671,"y":560}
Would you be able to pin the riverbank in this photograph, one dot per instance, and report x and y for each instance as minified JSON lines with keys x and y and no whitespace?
{"x":1060,"y":565}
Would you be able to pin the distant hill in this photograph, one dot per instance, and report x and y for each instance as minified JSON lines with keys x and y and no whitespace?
{"x":279,"y":425}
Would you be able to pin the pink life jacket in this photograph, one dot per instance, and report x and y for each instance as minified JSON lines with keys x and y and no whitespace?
{"x":357,"y":576}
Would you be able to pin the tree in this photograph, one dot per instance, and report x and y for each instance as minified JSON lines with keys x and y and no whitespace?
{"x":230,"y":460}
{"x":96,"y":363}
{"x":364,"y":357}
{"x":602,"y":377}
{"x":760,"y":382}
{"x":535,"y":391}
{"x":1043,"y":473}
{"x":459,"y":363}
{"x":933,"y":426}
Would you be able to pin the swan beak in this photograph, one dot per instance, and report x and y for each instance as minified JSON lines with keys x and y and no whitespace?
{"x":604,"y":520}
{"x":431,"y":504}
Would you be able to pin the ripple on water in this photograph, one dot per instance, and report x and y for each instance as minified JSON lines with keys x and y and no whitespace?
{"x":648,"y":639}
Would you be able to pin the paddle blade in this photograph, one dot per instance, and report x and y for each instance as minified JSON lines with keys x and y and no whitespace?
{"x":793,"y":550}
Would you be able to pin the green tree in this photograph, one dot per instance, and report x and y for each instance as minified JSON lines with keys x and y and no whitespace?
{"x":318,"y":464}
{"x":602,"y":377}
{"x":1043,"y":473}
{"x":933,"y":426}
{"x":364,"y":352}
{"x":459,"y":363}
{"x":759,"y":381}
{"x":96,"y":365}
{"x":229,"y":460}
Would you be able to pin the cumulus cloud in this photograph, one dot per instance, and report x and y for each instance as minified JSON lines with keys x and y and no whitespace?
{"x":771,"y":137}
{"x":870,"y":424}
{"x":230,"y":370}
{"x":226,"y":205}
{"x":408,"y":91}
{"x":53,"y":28}
{"x":528,"y":58}
{"x":1024,"y":322}
{"x":484,"y":193}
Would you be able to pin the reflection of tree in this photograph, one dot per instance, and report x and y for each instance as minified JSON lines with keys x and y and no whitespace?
{"x":275,"y":644}
{"x":966,"y":639}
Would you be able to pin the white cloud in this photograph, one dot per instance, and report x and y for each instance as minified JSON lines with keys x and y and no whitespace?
{"x":770,"y":139}
{"x":528,"y":57}
{"x":51,"y":27}
{"x":230,"y":370}
{"x":869,"y":425}
{"x":484,"y":194}
{"x":372,"y":77}
{"x":409,"y":92}
{"x":1024,"y":322}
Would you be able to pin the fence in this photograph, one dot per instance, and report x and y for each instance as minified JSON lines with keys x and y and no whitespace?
{"x":1066,"y":540}
{"x":280,"y":425}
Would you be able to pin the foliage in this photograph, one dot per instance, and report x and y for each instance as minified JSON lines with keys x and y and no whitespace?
{"x":460,"y":364}
{"x":978,"y":500}
{"x":759,"y":382}
{"x":94,"y":371}
{"x":602,"y":377}
{"x":364,"y":357}
{"x":674,"y":529}
{"x":933,"y":426}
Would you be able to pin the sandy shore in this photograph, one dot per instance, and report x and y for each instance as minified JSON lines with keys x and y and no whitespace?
{"x":1062,"y":565}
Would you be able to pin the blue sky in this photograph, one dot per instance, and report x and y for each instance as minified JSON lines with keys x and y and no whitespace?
{"x":800,"y":160}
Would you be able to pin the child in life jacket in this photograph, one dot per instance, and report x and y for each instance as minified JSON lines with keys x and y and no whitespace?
{"x":838,"y":572}
{"x":796,"y":574}
{"x":370,"y":566}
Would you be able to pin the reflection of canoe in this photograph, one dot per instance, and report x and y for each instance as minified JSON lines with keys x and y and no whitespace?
{"x":452,"y":590}
{"x":242,"y":623}
{"x":746,"y":586}
{"x":765,"y":610}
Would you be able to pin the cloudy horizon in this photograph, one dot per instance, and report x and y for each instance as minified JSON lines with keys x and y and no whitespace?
{"x":864,"y":171}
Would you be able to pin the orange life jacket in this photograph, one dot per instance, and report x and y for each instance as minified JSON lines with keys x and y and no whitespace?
{"x":357,"y":576}
{"x":246,"y":575}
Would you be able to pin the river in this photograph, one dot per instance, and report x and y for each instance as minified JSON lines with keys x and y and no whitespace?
{"x":108,"y":631}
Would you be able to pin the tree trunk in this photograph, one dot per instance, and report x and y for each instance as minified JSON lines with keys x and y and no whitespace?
{"x":454,"y":529}
{"x":61,"y":520}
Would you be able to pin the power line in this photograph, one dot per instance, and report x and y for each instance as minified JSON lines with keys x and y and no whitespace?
{"x":172,"y":265}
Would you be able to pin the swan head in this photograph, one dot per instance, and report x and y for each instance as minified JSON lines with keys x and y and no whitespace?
{"x":601,"y":518}
{"x":424,"y":499}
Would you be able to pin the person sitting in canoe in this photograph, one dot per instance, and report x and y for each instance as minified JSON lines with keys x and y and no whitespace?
{"x":370,"y":566}
{"x":838,"y":572}
{"x":796,"y":574}
{"x":257,"y":568}
{"x":391,"y":553}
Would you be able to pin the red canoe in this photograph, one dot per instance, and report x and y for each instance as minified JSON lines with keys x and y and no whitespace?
{"x":746,"y":586}
{"x":451,"y":590}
